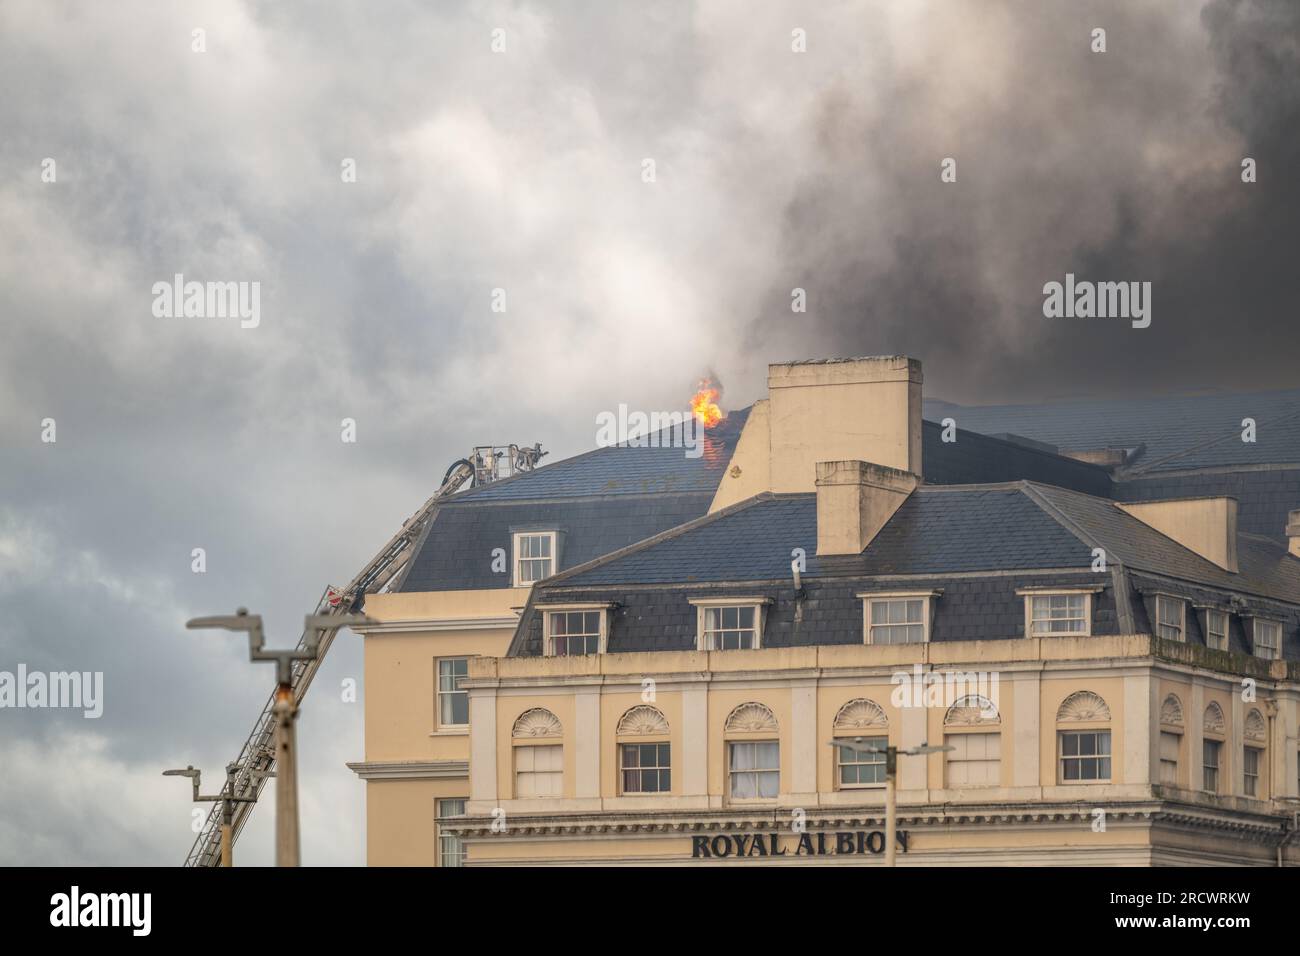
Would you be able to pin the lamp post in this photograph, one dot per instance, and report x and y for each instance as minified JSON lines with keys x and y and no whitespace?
{"x":227,"y":799}
{"x":858,"y":745}
{"x":285,"y":708}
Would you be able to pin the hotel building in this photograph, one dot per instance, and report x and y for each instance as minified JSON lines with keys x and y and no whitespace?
{"x":637,"y":657}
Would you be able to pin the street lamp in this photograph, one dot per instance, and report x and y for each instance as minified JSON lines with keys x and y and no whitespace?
{"x":226,"y":797}
{"x":858,"y":745}
{"x":285,"y":708}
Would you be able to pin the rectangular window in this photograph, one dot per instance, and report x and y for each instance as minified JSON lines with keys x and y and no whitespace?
{"x":1169,"y":618}
{"x":975,"y":760}
{"x":1169,"y":758}
{"x":1216,"y":630}
{"x":575,"y":632}
{"x":730,"y":628}
{"x":897,"y":621}
{"x":1250,"y":771}
{"x":645,"y":768}
{"x":859,"y":769}
{"x":539,"y":772}
{"x":1268,"y":639}
{"x":754,"y":769}
{"x":451,"y":849}
{"x":534,"y":557}
{"x":1085,"y":755}
{"x":453,"y":701}
{"x":1053,"y":615}
{"x":1210,"y":761}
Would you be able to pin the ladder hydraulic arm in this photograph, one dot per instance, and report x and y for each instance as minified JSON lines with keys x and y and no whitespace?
{"x":257,"y":757}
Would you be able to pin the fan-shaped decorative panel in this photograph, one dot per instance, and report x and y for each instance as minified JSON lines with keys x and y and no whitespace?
{"x":643,"y":721}
{"x":751,"y":718}
{"x":1214,"y":722}
{"x":538,"y":722}
{"x":1255,"y":728}
{"x":1083,"y":705}
{"x":1171,"y":711}
{"x":860,"y":713}
{"x":970,"y":710}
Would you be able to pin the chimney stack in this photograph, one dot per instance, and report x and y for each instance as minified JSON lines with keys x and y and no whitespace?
{"x":1207,"y":526}
{"x":1293,"y":532}
{"x":854,"y":500}
{"x":855,"y":409}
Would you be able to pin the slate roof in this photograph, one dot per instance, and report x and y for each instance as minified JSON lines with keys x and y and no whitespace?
{"x":960,"y":540}
{"x":1180,"y":432}
{"x":456,"y":552}
{"x":609,"y":498}
{"x":623,"y":470}
{"x":937,"y":531}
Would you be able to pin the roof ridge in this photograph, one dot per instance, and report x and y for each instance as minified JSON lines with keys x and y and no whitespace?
{"x":1170,"y":397}
{"x":1033,"y":491}
{"x":578,"y":457}
{"x":1118,"y":508}
{"x":1055,"y":455}
{"x":1208,"y":443}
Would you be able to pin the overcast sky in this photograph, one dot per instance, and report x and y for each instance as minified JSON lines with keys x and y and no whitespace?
{"x":522,"y":170}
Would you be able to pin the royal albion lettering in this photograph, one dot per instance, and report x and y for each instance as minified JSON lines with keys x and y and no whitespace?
{"x":839,"y":843}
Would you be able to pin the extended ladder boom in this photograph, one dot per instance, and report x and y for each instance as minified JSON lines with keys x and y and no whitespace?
{"x":257,"y":756}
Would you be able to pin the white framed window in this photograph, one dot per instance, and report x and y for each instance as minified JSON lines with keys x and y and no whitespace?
{"x":645,"y":767}
{"x":753,"y":769}
{"x":857,"y":770}
{"x":1062,"y":613}
{"x":574,"y":630}
{"x":539,"y":772}
{"x":1085,"y":756}
{"x":1268,"y":639}
{"x":451,"y":848}
{"x":1169,"y":744}
{"x":901,"y":617}
{"x":1171,"y":623}
{"x":1250,"y":771}
{"x":975,"y":760}
{"x":453,"y":699}
{"x":1216,"y":629}
{"x":729,"y":624}
{"x":1210,"y":763}
{"x":535,"y":556}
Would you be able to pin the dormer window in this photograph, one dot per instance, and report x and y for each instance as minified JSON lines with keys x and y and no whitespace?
{"x":574,"y":630}
{"x":1058,"y":612}
{"x":901,"y":617}
{"x":1216,"y":629}
{"x":1267,"y":639}
{"x":729,"y":624}
{"x":535,"y":554}
{"x":1171,"y":621}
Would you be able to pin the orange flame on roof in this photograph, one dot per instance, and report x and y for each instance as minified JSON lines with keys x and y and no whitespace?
{"x":704,"y":406}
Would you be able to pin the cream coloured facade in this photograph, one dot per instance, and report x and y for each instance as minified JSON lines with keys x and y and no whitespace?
{"x":414,"y":758}
{"x":1122,"y":682}
{"x":1135,"y":688}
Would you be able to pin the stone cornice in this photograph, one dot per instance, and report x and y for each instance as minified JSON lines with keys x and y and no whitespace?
{"x":1262,"y":827}
{"x":410,"y":769}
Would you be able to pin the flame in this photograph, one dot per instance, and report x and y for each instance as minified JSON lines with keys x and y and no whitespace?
{"x":704,"y":406}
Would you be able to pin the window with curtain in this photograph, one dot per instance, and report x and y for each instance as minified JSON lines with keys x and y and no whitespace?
{"x":754,"y":769}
